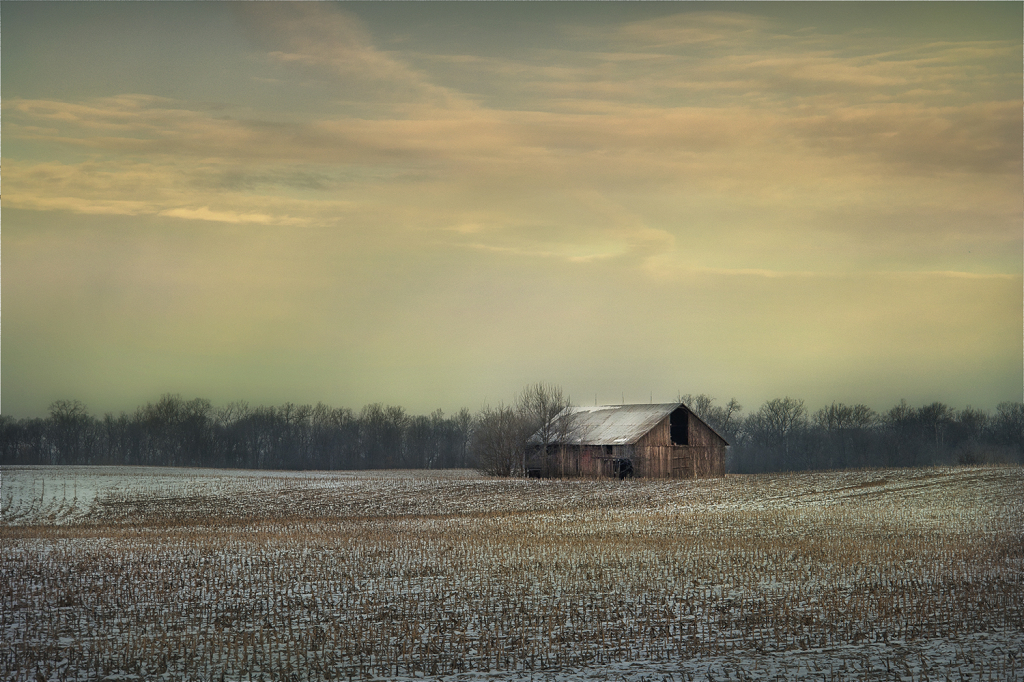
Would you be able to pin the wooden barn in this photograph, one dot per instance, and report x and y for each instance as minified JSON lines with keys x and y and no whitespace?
{"x":652,"y":441}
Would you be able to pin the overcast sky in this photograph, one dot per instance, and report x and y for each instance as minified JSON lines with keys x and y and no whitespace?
{"x":435,"y":204}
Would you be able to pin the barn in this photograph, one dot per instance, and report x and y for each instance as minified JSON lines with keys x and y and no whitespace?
{"x":653,"y":441}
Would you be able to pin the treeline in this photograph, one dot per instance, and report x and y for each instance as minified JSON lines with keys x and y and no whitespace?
{"x":782,"y":435}
{"x":192,"y":433}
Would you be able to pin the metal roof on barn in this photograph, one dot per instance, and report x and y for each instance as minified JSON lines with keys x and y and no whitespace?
{"x":617,"y":424}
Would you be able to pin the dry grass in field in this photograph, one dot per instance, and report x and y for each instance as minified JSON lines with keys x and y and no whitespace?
{"x":851,"y":575}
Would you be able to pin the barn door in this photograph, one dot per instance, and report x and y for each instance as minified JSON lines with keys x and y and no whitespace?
{"x":682,"y":462}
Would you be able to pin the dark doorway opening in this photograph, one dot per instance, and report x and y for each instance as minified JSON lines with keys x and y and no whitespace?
{"x":679,"y":424}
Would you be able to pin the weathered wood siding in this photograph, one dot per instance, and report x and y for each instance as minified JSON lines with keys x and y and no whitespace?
{"x":703,"y":456}
{"x":708,"y":450}
{"x":653,"y":458}
{"x":654,"y":455}
{"x":598,"y":461}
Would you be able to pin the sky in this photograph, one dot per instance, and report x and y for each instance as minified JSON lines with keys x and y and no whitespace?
{"x":433,"y":205}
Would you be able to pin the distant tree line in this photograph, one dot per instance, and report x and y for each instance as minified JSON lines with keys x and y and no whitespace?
{"x":178,"y":432}
{"x":781,"y":435}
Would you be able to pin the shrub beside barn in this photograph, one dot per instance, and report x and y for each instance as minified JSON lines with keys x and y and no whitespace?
{"x":653,"y":441}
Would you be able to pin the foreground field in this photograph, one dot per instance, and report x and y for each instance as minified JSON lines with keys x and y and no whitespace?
{"x":206,"y":574}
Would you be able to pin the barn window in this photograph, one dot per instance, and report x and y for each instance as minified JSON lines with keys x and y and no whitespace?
{"x":679,"y":423}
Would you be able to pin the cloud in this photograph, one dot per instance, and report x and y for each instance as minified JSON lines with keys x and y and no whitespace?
{"x":688,"y":29}
{"x":668,"y":268}
{"x":204,"y":213}
{"x":79,"y":205}
{"x":983,"y":137}
{"x":623,"y":144}
{"x":335,"y":43}
{"x":596,"y":109}
{"x":567,"y":253}
{"x":707,"y":190}
{"x":121,"y":187}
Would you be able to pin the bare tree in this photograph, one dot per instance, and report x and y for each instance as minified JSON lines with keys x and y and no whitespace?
{"x":1008,"y":426}
{"x":935,"y":420}
{"x":701,"y":405}
{"x":70,"y":433}
{"x":498,"y":441}
{"x":840,"y":425}
{"x":775,"y":429}
{"x":463,"y":424}
{"x":548,"y":419}
{"x":539,"y":421}
{"x":722,"y":419}
{"x":899,"y":423}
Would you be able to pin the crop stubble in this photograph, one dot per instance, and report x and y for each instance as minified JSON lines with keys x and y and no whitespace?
{"x":200,"y":574}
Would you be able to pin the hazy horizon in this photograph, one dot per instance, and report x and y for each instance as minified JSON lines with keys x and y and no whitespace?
{"x":432,"y":205}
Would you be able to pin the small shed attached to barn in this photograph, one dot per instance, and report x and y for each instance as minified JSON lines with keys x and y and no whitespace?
{"x":659,"y":441}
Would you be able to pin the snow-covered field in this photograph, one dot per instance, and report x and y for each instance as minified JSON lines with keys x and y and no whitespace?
{"x":144,"y":573}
